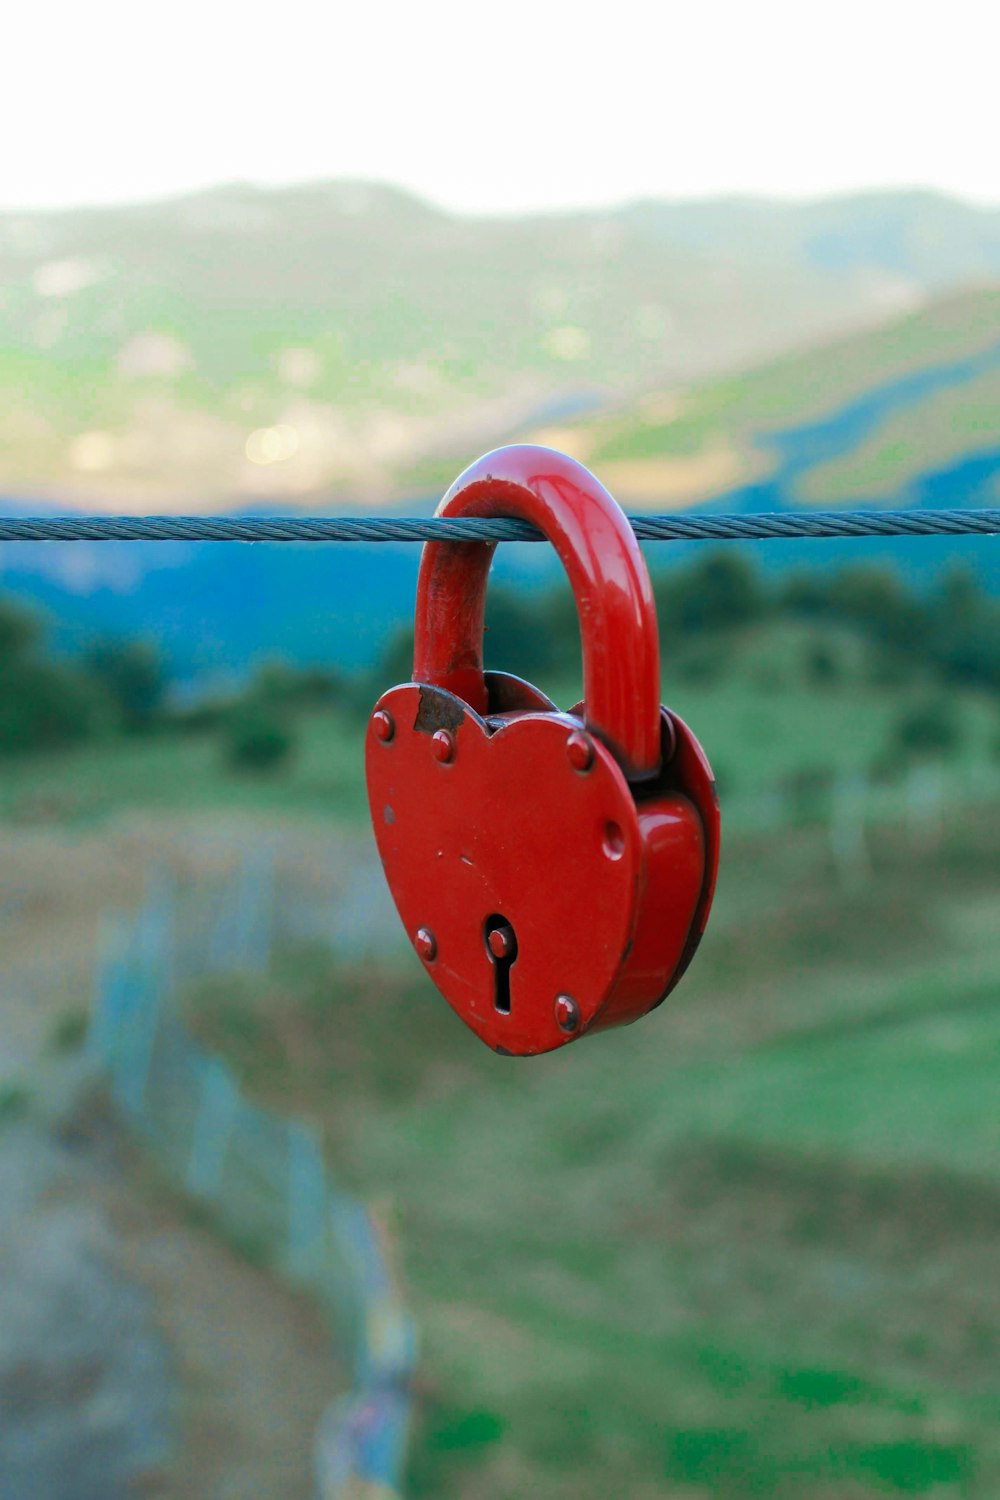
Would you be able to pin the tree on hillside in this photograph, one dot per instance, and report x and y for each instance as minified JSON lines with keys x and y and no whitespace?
{"x":964,"y":639}
{"x":20,"y":630}
{"x":721,"y":592}
{"x":876,"y":599}
{"x":43,"y":704}
{"x":133,"y":675}
{"x":928,"y":729}
{"x":282,"y":683}
{"x":259,"y":738}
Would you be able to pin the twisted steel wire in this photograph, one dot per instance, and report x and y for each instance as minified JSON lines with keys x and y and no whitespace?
{"x":649,"y":528}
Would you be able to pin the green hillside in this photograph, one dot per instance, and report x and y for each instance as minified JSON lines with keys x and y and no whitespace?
{"x":681,"y":442}
{"x":934,"y":432}
{"x":745,"y":1248}
{"x":347,"y":338}
{"x":791,"y":710}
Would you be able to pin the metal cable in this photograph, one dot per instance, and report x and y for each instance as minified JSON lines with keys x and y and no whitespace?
{"x":650,"y":528}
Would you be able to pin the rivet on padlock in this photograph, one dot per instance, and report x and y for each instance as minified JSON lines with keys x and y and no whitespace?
{"x":556,"y":869}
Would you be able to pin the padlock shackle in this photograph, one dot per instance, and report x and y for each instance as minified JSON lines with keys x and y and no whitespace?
{"x":609,"y":578}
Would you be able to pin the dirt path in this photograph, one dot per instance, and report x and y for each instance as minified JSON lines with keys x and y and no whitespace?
{"x":59,"y":886}
{"x":251,"y":1363}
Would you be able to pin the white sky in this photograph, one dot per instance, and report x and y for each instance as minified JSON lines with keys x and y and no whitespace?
{"x":499,"y":106}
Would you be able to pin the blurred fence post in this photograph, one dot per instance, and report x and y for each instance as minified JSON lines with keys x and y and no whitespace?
{"x":138,"y":1015}
{"x":213,"y":1129}
{"x":147,"y":970}
{"x":264,"y":1173}
{"x":306,"y":1200}
{"x":105,"y":1018}
{"x":254,"y":912}
{"x":222,"y":941}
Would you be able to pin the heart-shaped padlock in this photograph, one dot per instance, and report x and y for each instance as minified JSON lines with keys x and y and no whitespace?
{"x":554,"y":871}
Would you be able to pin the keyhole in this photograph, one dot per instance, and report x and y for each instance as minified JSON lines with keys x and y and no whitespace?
{"x":501,"y":947}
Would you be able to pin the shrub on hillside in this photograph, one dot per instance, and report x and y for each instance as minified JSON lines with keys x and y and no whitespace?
{"x":822,"y":664}
{"x":133,"y":676}
{"x":877,"y":601}
{"x":43,"y":704}
{"x":930,"y":728}
{"x":721,"y":592}
{"x":889,"y":667}
{"x":287,"y":686}
{"x":20,"y":630}
{"x":258,"y":738}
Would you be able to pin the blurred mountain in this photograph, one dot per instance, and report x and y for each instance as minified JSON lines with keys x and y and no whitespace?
{"x":345,"y":340}
{"x":858,"y":420}
{"x":814,"y":425}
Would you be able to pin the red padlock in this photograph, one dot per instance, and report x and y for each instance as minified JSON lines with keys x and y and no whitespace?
{"x":554,"y":871}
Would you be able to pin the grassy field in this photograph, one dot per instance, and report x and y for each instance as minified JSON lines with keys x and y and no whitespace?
{"x":746,"y":1248}
{"x":935,"y":432}
{"x":188,"y":772}
{"x":774,"y":724}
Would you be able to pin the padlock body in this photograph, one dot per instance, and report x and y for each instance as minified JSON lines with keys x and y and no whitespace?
{"x":605,"y":896}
